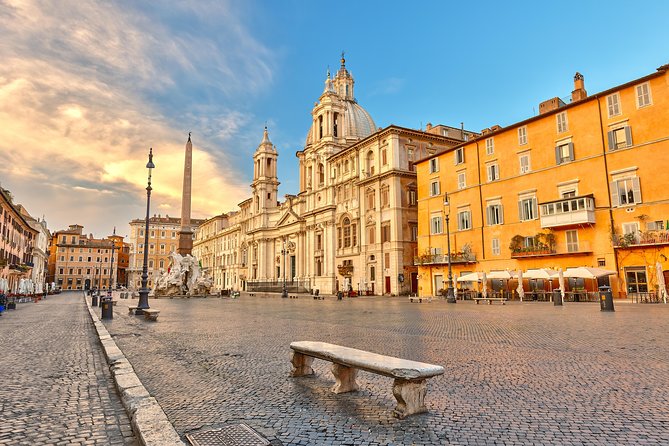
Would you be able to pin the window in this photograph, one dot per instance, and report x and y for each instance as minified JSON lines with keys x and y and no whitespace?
{"x":386,"y":260}
{"x":493,"y":172}
{"x":636,"y":280}
{"x":370,"y":163}
{"x":613,"y":104}
{"x":620,"y":138}
{"x":60,"y":271}
{"x":561,"y":119}
{"x":434,"y":165}
{"x":464,"y":220}
{"x":319,"y":242}
{"x":522,"y":135}
{"x":414,"y":232}
{"x":524,"y":160}
{"x":385,"y":231}
{"x":370,"y":199}
{"x":410,"y":159}
{"x":527,"y":209}
{"x":384,"y":157}
{"x":643,"y":97}
{"x":625,"y":192}
{"x":435,"y":225}
{"x":434,"y":188}
{"x":495,"y":247}
{"x":564,"y":153}
{"x":462,"y":180}
{"x":459,"y":155}
{"x":572,"y":240}
{"x":371,"y":234}
{"x":321,"y":174}
{"x":346,"y":226}
{"x":495,"y":214}
{"x":655,"y":225}
{"x":489,"y":146}
{"x":385,"y":197}
{"x":412,"y":197}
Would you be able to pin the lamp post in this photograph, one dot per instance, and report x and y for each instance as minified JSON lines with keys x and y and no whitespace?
{"x":450,"y":295}
{"x":144,"y":291}
{"x":284,"y":293}
{"x":111,"y":268}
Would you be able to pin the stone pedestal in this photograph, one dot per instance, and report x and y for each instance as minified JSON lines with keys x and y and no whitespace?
{"x":301,"y":365}
{"x":345,"y":377}
{"x":410,"y":396}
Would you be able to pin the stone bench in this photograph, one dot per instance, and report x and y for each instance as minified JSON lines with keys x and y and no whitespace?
{"x":420,"y":299}
{"x":490,"y":300}
{"x":409,"y":387}
{"x":131,"y":310}
{"x":151,"y":314}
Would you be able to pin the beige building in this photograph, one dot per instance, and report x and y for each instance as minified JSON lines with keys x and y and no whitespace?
{"x":353,"y":224}
{"x":81,"y":261}
{"x":163,"y":239}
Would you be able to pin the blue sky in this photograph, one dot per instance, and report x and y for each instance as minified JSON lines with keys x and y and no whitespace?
{"x":87,"y":87}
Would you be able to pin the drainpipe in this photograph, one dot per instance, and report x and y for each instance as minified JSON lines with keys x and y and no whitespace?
{"x":478,"y":166}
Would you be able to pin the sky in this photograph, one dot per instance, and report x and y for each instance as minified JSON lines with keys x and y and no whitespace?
{"x":87,"y":87}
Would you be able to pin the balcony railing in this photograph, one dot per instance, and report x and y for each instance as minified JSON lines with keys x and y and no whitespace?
{"x":567,"y":212}
{"x":442,"y":259}
{"x":648,"y":238}
{"x":561,"y":249}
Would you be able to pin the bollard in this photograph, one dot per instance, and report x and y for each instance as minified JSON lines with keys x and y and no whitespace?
{"x":94,"y":300}
{"x":606,"y":298}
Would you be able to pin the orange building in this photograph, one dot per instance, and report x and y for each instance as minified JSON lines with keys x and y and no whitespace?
{"x":580,"y":184}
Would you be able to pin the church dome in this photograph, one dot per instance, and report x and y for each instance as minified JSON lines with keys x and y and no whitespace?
{"x":359,"y":123}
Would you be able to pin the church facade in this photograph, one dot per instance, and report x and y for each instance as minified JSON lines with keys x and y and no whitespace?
{"x":353,"y":224}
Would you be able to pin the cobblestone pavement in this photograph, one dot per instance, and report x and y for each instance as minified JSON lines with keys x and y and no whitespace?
{"x":55,"y":386}
{"x":522,"y":373}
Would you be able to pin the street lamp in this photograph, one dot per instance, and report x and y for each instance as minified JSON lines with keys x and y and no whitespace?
{"x":144,"y":291}
{"x":284,"y":293}
{"x":450,"y":295}
{"x":111,"y":269}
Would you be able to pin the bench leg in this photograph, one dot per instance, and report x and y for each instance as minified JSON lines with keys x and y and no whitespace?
{"x":410,"y":396}
{"x":301,"y":365}
{"x":345,"y":377}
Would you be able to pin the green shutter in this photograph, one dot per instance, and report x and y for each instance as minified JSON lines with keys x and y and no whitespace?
{"x":557,"y":155}
{"x":628,"y":135}
{"x":636,"y":188}
{"x":612,"y":140}
{"x":615,"y":198}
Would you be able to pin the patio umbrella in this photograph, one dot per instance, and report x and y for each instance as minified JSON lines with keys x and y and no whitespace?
{"x":584,"y":272}
{"x":505,"y":274}
{"x":484,"y":289}
{"x":520,"y":289}
{"x":561,"y":283}
{"x":541,"y":273}
{"x":660,"y":282}
{"x":470,"y":277}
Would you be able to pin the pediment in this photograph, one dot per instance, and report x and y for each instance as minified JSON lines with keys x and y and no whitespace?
{"x":288,"y":218}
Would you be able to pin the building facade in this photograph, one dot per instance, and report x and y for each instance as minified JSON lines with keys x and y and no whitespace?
{"x":577,"y":185}
{"x":82,"y":262}
{"x":163,"y":240}
{"x":353,"y":224}
{"x":40,"y":251}
{"x":17,"y":241}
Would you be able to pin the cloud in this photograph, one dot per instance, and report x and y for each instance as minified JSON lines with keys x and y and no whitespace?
{"x":87,"y":87}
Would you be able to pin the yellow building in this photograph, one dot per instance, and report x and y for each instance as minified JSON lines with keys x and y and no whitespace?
{"x":581,"y":184}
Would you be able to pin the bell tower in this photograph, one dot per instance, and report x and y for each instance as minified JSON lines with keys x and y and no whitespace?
{"x":265,"y":184}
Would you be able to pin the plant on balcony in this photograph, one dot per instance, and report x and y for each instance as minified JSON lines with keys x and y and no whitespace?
{"x":517,"y":242}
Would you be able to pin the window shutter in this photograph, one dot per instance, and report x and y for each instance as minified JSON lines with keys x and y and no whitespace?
{"x":557,"y":155}
{"x":501,"y":214}
{"x":636,"y":187}
{"x":535,"y":208}
{"x":488,"y":215}
{"x":520,"y":210}
{"x":615,"y":199}
{"x":612,"y":141}
{"x":571,"y":151}
{"x":455,"y":157}
{"x":628,"y":135}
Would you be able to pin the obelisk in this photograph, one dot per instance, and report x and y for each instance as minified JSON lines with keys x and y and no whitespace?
{"x":185,"y":233}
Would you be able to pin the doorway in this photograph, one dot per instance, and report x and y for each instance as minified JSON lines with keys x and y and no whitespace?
{"x":387,"y":290}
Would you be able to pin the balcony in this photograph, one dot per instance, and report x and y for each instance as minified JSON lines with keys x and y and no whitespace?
{"x":571,"y":249}
{"x":568,"y":212}
{"x":648,"y":238}
{"x":442,"y":259}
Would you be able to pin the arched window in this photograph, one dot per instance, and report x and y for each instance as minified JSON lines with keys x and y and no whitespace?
{"x":162,"y":263}
{"x":370,"y":163}
{"x":335,"y":124}
{"x":320,"y":127}
{"x":346,"y":226}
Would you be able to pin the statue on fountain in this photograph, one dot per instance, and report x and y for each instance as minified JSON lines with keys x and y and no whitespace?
{"x":184,"y":277}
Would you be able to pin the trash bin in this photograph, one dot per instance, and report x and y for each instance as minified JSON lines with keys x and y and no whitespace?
{"x":557,"y":297}
{"x":107,"y":307}
{"x":339,"y":295}
{"x":606,"y":298}
{"x":11,"y":303}
{"x":94,"y":299}
{"x":3,"y":302}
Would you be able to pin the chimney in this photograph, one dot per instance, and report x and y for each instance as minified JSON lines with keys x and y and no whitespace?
{"x":579,"y":88}
{"x":428,"y":126}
